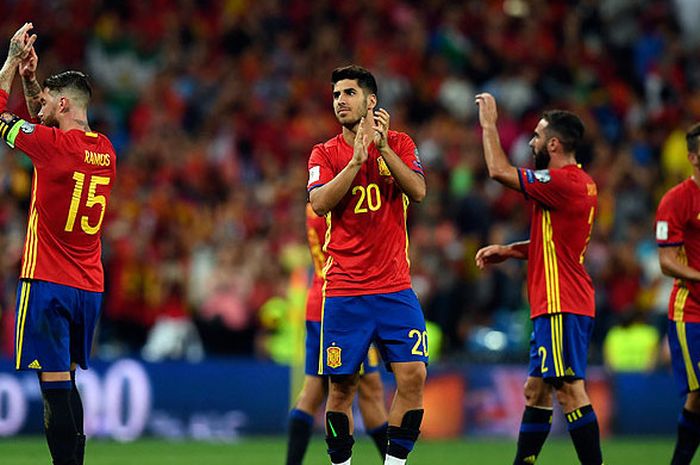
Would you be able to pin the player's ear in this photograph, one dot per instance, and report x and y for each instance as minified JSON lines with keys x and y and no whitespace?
{"x":63,"y":104}
{"x":371,"y":101}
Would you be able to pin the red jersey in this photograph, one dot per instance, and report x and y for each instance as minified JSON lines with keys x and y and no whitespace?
{"x":562,"y":217}
{"x":315,"y":234}
{"x":367,"y":243}
{"x":74,"y":173}
{"x":678,"y":225}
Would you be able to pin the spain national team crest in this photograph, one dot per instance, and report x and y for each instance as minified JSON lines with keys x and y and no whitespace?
{"x":333,"y":357}
{"x":383,"y":169}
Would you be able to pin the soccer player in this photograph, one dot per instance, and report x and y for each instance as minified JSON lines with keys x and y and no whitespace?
{"x":371,"y":389}
{"x":678,"y":238}
{"x":560,"y":290}
{"x":61,"y":281}
{"x":362,"y":181}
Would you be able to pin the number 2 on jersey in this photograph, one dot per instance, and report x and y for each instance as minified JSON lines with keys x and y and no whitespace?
{"x":91,"y":201}
{"x":371,"y":194}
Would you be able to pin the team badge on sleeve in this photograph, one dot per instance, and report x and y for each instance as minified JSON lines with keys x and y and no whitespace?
{"x":314,"y":174}
{"x":333,"y":359}
{"x":27,"y":127}
{"x":662,"y":230}
{"x":543,"y":176}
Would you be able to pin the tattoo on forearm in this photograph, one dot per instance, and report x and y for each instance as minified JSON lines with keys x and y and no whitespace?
{"x":32,"y":94}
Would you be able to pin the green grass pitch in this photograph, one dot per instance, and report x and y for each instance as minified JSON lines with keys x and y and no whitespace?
{"x":271,"y":451}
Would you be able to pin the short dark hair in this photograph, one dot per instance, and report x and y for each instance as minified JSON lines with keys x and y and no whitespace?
{"x":565,"y":126}
{"x":75,"y":80}
{"x":691,"y":138}
{"x":364,"y":78}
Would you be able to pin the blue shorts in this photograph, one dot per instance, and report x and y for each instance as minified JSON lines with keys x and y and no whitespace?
{"x":313,"y":339}
{"x":394,"y":322}
{"x":55,"y":325}
{"x":684,"y":342}
{"x":559,"y":346}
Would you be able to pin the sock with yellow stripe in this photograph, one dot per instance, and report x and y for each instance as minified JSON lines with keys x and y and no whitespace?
{"x":688,"y":438}
{"x":338,"y":438}
{"x":583,"y":428}
{"x":534,"y":428}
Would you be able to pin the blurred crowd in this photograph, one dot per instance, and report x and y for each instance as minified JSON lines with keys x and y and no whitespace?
{"x":213,"y":107}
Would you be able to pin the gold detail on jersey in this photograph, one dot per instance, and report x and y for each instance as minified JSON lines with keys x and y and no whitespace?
{"x":591,"y":189}
{"x":383,"y":169}
{"x":406,"y":202}
{"x":323,"y":311}
{"x":679,"y":303}
{"x":21,"y":318}
{"x":333,"y":359}
{"x":97,"y":159}
{"x":31,"y":242}
{"x":551,"y":269}
{"x":35,"y":365}
{"x":688,"y":362}
{"x":91,"y":134}
{"x":698,"y":217}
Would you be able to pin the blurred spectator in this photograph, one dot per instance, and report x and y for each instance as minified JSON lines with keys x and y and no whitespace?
{"x":632,"y":345}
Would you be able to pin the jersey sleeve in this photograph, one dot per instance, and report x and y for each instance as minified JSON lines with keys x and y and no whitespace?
{"x":37,"y":141}
{"x":320,"y":168}
{"x":669,"y":222}
{"x":551,"y":188}
{"x":408,"y":152}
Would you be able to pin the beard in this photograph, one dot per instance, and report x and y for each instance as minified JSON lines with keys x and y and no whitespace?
{"x":50,"y":121}
{"x":541,"y":159}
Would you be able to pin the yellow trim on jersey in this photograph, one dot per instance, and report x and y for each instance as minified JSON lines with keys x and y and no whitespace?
{"x":551,"y":269}
{"x":688,"y":362}
{"x":682,"y":294}
{"x":406,"y":202}
{"x":31,"y":242}
{"x":21,"y":318}
{"x":323,"y":309}
{"x":557,"y":330}
{"x":679,"y":303}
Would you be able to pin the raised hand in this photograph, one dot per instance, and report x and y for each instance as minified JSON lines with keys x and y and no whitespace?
{"x":381,"y":128}
{"x":27,"y":67}
{"x":488,"y":114}
{"x":362,"y":140}
{"x":21,"y":43}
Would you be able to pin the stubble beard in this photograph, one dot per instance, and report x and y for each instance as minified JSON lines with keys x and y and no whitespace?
{"x":541,"y":159}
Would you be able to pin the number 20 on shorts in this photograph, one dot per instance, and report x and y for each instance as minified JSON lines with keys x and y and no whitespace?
{"x":421,"y":345}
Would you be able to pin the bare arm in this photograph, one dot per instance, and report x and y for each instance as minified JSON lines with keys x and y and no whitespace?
{"x":20,"y":43}
{"x":410,"y":182}
{"x":497,"y":163}
{"x":672,"y":266}
{"x":323,"y":199}
{"x":32,"y":89}
{"x":498,"y":253}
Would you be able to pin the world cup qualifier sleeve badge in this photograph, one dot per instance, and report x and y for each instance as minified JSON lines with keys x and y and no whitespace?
{"x":333,"y":359}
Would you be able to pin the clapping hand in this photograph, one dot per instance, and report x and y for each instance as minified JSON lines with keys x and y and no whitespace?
{"x":21,"y":44}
